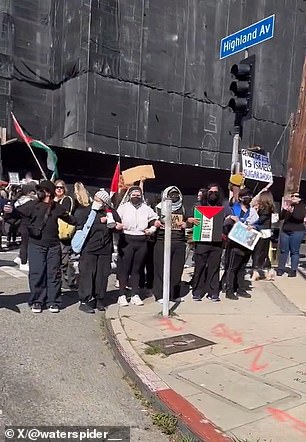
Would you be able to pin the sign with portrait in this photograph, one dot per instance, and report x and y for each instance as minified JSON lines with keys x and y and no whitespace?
{"x":244,"y":236}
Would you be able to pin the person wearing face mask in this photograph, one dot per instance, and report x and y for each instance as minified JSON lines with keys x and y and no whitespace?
{"x":96,"y":254}
{"x":138,"y":223}
{"x":177,"y":257}
{"x":292,"y":233}
{"x":207,"y":255}
{"x":238,"y":256}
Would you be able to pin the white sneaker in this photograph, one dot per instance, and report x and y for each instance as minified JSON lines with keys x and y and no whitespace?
{"x":123,"y":301}
{"x":179,"y":300}
{"x":117,"y":284}
{"x":160,"y":301}
{"x":136,"y":300}
{"x":24,"y":267}
{"x":54,"y":309}
{"x":17,"y":260}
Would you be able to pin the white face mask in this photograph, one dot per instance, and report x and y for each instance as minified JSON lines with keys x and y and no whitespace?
{"x":96,"y":206}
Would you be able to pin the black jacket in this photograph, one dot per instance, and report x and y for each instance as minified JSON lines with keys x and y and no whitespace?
{"x":35,"y":211}
{"x":100,"y":238}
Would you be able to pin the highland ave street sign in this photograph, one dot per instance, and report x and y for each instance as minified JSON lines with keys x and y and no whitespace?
{"x":252,"y":35}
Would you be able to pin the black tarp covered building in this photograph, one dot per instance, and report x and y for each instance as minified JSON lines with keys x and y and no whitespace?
{"x":73,"y":71}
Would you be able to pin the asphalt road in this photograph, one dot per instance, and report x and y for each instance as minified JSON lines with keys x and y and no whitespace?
{"x":57,"y":368}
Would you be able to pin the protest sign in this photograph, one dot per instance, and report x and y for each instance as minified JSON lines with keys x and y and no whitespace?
{"x":256,"y":166}
{"x":211,"y":223}
{"x":247,"y":238}
{"x":14,"y":178}
{"x":134,"y":174}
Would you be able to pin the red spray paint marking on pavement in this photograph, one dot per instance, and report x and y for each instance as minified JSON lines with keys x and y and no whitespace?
{"x":283,"y":416}
{"x":222,"y":331}
{"x":254,"y":366}
{"x":168,"y":323}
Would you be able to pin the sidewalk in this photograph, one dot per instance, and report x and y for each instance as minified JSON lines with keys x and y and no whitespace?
{"x":250,"y":384}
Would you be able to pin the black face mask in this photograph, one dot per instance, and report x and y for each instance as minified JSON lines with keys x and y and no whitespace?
{"x":135,"y":200}
{"x":213,"y":197}
{"x":174,"y":198}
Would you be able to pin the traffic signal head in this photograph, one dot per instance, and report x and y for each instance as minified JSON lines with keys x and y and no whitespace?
{"x":242,"y":88}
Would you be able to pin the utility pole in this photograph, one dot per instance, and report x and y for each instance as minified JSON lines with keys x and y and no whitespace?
{"x":296,"y":162}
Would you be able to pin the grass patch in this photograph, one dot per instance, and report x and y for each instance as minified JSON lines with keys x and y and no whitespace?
{"x":165,"y":422}
{"x":153,"y":350}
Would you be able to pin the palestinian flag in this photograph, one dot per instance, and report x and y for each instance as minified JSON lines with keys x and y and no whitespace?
{"x":115,"y":181}
{"x":210,"y":227}
{"x":51,"y":156}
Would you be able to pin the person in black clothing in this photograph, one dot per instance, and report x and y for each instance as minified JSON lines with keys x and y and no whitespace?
{"x":28,"y":194}
{"x":238,"y":256}
{"x":44,"y":251}
{"x":207,"y":255}
{"x":178,"y":246}
{"x":291,"y":236}
{"x":264,"y":205}
{"x":96,"y":255}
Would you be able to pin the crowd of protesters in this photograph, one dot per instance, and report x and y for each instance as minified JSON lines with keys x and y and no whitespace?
{"x":47,"y":218}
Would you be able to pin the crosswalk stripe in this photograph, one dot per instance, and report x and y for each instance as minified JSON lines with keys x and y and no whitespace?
{"x":13,"y":272}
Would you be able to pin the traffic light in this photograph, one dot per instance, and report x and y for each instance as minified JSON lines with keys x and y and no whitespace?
{"x":242,"y":88}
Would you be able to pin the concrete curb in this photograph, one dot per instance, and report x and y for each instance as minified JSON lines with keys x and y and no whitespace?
{"x":190,"y":421}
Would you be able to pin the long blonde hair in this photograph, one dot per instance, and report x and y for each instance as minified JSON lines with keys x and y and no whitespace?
{"x":81,"y":194}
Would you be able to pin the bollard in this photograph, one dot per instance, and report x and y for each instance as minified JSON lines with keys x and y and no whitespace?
{"x":166,"y":214}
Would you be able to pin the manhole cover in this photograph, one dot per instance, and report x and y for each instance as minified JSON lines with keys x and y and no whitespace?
{"x":178,"y":344}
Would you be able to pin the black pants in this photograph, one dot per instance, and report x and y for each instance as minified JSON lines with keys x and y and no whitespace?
{"x":237,"y":261}
{"x":132,"y":254}
{"x":68,"y":273}
{"x":93,"y":277}
{"x":147,"y":271}
{"x":177,"y":261}
{"x":207,"y":259}
{"x":261,"y":253}
{"x":23,"y":253}
{"x":44,"y":274}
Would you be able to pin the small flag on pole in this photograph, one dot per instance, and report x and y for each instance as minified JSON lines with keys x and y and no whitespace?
{"x":115,"y":181}
{"x":51,"y":156}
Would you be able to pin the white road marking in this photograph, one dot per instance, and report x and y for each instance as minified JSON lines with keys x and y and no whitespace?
{"x":13,"y":272}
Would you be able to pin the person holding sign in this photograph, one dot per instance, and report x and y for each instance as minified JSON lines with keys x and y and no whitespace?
{"x":207,"y":234}
{"x":178,"y":246}
{"x":238,"y":255}
{"x":292,"y":233}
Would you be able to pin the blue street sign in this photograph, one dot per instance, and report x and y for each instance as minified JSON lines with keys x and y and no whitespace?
{"x":252,"y":35}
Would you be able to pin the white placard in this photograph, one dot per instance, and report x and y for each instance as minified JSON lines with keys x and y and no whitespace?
{"x":256,"y":166}
{"x":14,"y":178}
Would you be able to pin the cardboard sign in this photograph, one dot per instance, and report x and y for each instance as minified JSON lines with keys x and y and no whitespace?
{"x":211,"y":223}
{"x":256,"y":166}
{"x":243,"y":236}
{"x":134,"y":174}
{"x":176,"y":221}
{"x":14,"y":178}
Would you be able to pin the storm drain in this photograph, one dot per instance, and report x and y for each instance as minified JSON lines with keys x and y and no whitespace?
{"x":178,"y":344}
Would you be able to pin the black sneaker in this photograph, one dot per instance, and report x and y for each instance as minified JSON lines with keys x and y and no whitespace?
{"x":292,"y":274}
{"x":196,"y":298}
{"x":36,"y":308}
{"x":213,"y":298}
{"x":280,"y":272}
{"x":100,"y":305}
{"x":54,"y":309}
{"x":230,"y":295}
{"x":86,"y":308}
{"x":243,"y":294}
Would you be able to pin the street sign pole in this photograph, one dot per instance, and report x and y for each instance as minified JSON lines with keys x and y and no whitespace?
{"x":166,"y":211}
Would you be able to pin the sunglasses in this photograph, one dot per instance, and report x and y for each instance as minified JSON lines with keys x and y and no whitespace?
{"x":295,"y":195}
{"x":59,"y":187}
